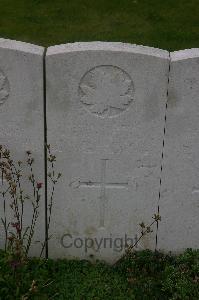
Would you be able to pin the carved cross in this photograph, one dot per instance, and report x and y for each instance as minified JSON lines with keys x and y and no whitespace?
{"x":103,"y":185}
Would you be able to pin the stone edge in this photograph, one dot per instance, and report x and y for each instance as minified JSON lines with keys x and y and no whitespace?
{"x":21,"y":46}
{"x":184,"y":54}
{"x":107,"y":46}
{"x":99,"y":46}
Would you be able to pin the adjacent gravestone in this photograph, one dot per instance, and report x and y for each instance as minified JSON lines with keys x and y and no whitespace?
{"x":105,"y":115}
{"x":21,"y":121}
{"x":179,"y":206}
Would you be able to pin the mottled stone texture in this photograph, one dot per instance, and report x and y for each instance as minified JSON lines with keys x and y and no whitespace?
{"x":106,"y":108}
{"x":105,"y":115}
{"x":21,"y":119}
{"x":179,"y":206}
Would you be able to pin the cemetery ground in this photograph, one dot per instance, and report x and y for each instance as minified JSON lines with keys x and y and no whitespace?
{"x":170,"y":25}
{"x":145,"y":275}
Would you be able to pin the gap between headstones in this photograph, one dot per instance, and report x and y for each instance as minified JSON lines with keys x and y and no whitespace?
{"x":163,"y":146}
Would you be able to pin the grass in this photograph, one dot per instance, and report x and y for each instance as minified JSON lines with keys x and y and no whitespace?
{"x":169,"y":24}
{"x":144,"y":275}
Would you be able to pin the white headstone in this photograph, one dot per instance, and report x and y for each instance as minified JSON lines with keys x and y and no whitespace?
{"x":21,"y":121}
{"x":179,"y":205}
{"x":105,"y":115}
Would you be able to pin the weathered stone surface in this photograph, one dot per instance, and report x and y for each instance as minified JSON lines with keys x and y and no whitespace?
{"x":105,"y":115}
{"x":179,"y":206}
{"x":21,"y":119}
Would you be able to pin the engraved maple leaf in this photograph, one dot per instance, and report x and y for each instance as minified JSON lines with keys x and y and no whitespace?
{"x":106,"y":90}
{"x":3,"y":90}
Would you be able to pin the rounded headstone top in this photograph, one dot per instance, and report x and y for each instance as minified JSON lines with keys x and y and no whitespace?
{"x":185,"y":54}
{"x":107,"y":46}
{"x":21,"y":46}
